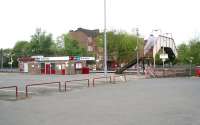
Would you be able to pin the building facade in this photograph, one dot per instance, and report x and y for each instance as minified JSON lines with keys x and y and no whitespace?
{"x":66,"y":65}
{"x":87,"y":39}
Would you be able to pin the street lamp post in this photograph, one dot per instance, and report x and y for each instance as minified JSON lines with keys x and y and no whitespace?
{"x":163,"y":60}
{"x":191,"y":58}
{"x":105,"y":41}
{"x":137,"y":31}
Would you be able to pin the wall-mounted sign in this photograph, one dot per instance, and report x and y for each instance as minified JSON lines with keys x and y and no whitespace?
{"x":64,"y":58}
{"x":76,"y":57}
{"x":164,"y":56}
{"x":55,"y":58}
{"x":87,"y":58}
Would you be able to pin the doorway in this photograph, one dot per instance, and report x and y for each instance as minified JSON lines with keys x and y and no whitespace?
{"x":47,"y":68}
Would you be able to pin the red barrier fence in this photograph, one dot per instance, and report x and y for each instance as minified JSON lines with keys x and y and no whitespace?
{"x":76,"y":80}
{"x":59,"y":87}
{"x":16,"y":89}
{"x":102,"y":78}
{"x":119,"y":76}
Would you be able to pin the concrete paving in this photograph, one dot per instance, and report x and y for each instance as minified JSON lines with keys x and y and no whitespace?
{"x":167,"y":101}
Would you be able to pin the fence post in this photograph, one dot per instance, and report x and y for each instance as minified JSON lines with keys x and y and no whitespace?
{"x":16,"y":92}
{"x":93,"y":82}
{"x":59,"y":86}
{"x":88,"y":82}
{"x":65,"y":87}
{"x":26,"y":90}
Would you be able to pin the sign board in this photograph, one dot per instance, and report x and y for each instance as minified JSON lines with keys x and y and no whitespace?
{"x":164,"y":56}
{"x":77,"y":58}
{"x":37,"y":58}
{"x":64,"y":58}
{"x":55,"y":58}
{"x":87,"y":58}
{"x":10,"y":63}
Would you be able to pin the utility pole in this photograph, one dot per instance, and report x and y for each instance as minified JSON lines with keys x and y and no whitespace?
{"x":191,"y":58}
{"x":137,"y":30}
{"x":163,"y":54}
{"x":105,"y":41}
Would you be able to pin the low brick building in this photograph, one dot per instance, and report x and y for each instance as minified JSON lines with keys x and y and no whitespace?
{"x":66,"y":65}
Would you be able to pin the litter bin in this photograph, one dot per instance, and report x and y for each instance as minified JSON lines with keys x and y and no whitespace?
{"x":85,"y":70}
{"x":197,"y":71}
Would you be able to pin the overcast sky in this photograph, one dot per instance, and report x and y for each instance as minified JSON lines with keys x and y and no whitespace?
{"x":20,"y":18}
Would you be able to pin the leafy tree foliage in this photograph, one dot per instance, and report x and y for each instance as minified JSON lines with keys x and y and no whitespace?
{"x":41,"y":44}
{"x":195,"y":51}
{"x":183,"y":53}
{"x":187,"y":52}
{"x":72,"y":47}
{"x":21,"y":48}
{"x":121,"y":46}
{"x":7,"y":53}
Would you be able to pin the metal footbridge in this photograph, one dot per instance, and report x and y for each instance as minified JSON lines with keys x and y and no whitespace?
{"x":153,"y":46}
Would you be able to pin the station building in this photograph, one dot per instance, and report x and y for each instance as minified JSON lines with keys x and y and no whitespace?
{"x":66,"y":65}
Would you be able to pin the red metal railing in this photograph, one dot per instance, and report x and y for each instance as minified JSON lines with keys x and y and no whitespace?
{"x":16,"y":89}
{"x":76,"y":80}
{"x":114,"y":80}
{"x":102,"y":78}
{"x":29,"y":85}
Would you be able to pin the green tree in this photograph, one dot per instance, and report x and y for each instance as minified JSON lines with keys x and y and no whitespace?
{"x":183,"y":53}
{"x":60,"y":46}
{"x":42,"y":44}
{"x":121,"y":46}
{"x":158,"y":59}
{"x":186,"y":52}
{"x":72,"y":47}
{"x":21,"y":48}
{"x":7,"y":54}
{"x":194,"y":51}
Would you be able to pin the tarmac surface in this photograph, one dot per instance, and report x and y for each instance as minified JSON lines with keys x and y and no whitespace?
{"x":163,"y":101}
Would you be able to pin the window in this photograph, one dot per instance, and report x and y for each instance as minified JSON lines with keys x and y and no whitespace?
{"x":53,"y":66}
{"x":89,"y":39}
{"x":42,"y":65}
